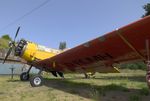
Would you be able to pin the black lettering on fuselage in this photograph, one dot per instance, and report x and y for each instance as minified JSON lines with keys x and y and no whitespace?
{"x":99,"y":57}
{"x":69,"y":64}
{"x":88,"y":60}
{"x":78,"y":62}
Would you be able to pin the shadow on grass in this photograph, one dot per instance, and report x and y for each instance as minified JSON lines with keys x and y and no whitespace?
{"x":140,"y":78}
{"x":131,"y":78}
{"x":13,"y":80}
{"x":1,"y":93}
{"x":84,"y":89}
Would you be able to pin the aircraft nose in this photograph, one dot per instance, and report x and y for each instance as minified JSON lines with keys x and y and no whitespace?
{"x":20,"y":47}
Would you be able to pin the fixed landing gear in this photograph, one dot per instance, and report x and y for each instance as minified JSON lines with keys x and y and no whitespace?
{"x":36,"y":80}
{"x":61,"y":74}
{"x":89,"y":75}
{"x":25,"y":75}
{"x":86,"y":75}
{"x":54,"y":73}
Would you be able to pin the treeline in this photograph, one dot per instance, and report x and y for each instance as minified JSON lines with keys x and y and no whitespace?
{"x":4,"y":44}
{"x":134,"y":66}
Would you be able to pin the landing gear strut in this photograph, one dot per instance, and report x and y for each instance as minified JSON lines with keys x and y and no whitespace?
{"x":89,"y":75}
{"x":148,"y":63}
{"x":25,"y":75}
{"x":54,"y":73}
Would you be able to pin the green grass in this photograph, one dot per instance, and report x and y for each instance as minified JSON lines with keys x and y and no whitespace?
{"x":134,"y":98}
{"x":144,"y":91}
{"x":129,"y":85}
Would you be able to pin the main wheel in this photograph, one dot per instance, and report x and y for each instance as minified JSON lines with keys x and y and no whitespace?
{"x":36,"y":81}
{"x":24,"y":76}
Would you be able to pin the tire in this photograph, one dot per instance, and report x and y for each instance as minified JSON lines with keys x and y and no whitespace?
{"x":36,"y":81}
{"x":24,"y":76}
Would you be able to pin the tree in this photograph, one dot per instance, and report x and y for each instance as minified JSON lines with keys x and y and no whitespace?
{"x":4,"y":43}
{"x":147,"y":9}
{"x":6,"y":37}
{"x":134,"y":66}
{"x":62,"y":45}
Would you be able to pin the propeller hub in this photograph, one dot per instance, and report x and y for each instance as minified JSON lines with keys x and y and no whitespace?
{"x":11,"y":43}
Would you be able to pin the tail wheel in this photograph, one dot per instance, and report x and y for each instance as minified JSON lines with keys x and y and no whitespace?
{"x":36,"y":81}
{"x":24,"y":76}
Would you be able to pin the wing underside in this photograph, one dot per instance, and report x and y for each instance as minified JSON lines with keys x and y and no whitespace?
{"x":121,"y":45}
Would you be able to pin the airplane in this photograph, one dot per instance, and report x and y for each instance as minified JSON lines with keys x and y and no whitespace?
{"x":126,"y":44}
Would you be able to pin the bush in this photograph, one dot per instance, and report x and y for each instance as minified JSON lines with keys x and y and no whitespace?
{"x":144,"y":91}
{"x":134,"y":66}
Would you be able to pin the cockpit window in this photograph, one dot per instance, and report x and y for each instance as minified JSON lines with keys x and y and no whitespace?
{"x":43,"y":48}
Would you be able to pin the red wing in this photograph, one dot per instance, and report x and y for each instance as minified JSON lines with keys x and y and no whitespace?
{"x":124,"y":44}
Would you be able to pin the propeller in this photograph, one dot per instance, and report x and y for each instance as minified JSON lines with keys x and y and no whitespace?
{"x":11,"y":45}
{"x":16,"y":34}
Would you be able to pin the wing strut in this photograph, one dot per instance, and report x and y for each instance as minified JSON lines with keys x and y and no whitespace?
{"x":129,"y":44}
{"x":148,"y":64}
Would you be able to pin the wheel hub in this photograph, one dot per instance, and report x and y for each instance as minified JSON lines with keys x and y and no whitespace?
{"x":25,"y":76}
{"x":37,"y":81}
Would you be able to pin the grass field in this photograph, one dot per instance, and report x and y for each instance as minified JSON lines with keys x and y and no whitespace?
{"x":126,"y":86}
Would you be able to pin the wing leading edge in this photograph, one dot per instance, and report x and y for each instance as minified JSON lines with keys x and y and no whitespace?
{"x":121,"y":45}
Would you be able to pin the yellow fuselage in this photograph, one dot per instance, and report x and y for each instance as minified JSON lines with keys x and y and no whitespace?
{"x":34,"y":51}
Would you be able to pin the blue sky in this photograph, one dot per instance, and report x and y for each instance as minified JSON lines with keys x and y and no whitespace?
{"x":73,"y":21}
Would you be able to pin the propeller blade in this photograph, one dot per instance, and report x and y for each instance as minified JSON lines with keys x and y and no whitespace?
{"x":8,"y":53}
{"x":12,"y":45}
{"x":16,"y":33}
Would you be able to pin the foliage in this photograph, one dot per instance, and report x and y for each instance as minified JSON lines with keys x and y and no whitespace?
{"x":62,"y":45}
{"x":147,"y":9}
{"x":134,"y":98}
{"x":144,"y":91}
{"x":6,"y":37}
{"x":3,"y":44}
{"x":134,"y":66}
